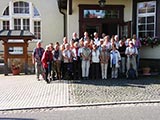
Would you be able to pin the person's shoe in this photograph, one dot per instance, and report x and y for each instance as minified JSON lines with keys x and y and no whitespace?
{"x":47,"y":81}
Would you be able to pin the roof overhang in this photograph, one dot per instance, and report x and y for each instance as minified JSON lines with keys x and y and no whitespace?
{"x":16,"y":34}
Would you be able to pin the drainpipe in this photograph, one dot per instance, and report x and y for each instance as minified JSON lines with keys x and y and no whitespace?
{"x":64,"y":17}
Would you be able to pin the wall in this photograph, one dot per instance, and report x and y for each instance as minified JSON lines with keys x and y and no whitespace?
{"x":150,"y":53}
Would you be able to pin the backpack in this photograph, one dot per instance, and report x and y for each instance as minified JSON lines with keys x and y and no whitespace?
{"x":131,"y":73}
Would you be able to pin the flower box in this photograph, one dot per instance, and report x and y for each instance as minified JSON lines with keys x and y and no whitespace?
{"x":149,"y":41}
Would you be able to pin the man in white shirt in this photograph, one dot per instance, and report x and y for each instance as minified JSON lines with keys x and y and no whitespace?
{"x":67,"y":57}
{"x":86,"y":55}
{"x":96,"y":39}
{"x":95,"y":62}
{"x":131,"y":53}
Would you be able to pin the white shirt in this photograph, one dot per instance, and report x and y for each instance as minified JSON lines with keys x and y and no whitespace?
{"x":96,"y":41}
{"x":130,"y":50}
{"x":95,"y":56}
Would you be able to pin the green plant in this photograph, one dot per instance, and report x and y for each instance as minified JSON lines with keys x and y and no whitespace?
{"x":149,"y":41}
{"x":15,"y":64}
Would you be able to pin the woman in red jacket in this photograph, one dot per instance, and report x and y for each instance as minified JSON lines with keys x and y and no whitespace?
{"x":46,"y":59}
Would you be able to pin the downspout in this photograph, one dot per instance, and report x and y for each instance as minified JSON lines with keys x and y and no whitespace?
{"x":64,"y":17}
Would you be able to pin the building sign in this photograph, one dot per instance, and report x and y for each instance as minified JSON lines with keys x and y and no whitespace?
{"x":15,"y":50}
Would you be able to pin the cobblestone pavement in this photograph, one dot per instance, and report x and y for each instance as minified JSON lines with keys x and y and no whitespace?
{"x":24,"y":91}
{"x":103,"y":91}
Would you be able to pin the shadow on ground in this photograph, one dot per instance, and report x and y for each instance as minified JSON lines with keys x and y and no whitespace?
{"x":141,"y":82}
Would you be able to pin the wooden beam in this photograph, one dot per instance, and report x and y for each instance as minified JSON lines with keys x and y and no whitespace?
{"x":5,"y":57}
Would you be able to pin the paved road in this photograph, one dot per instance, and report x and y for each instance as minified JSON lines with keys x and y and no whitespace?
{"x":24,"y":91}
{"x":116,"y":112}
{"x":120,"y":90}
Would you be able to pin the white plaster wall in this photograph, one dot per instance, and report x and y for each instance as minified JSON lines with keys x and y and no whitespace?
{"x":150,"y":53}
{"x":52,"y":20}
{"x":73,"y":20}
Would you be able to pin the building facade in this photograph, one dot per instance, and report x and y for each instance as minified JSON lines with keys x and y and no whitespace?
{"x":52,"y":20}
{"x":122,"y":17}
{"x":38,"y":16}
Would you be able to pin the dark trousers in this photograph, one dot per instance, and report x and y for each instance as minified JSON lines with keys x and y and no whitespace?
{"x":68,"y":70}
{"x":50,"y":68}
{"x":46,"y":71}
{"x":77,"y":69}
{"x":95,"y":71}
{"x":62,"y":69}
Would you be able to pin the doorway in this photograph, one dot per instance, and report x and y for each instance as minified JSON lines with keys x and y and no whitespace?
{"x":107,"y":28}
{"x":102,"y":20}
{"x":91,"y":28}
{"x":110,"y":29}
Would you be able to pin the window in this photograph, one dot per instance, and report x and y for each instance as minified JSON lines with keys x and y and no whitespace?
{"x":124,"y":31}
{"x":101,"y":14}
{"x":146,"y":19}
{"x":21,"y":7}
{"x":6,"y":12}
{"x":37,"y":29}
{"x":26,"y":24}
{"x":28,"y":18}
{"x":5,"y":25}
{"x":36,"y":13}
{"x":17,"y":24}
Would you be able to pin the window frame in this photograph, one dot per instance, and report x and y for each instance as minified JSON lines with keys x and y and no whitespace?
{"x":37,"y":29}
{"x":145,"y":16}
{"x":31,"y":16}
{"x":6,"y":24}
{"x":21,"y":8}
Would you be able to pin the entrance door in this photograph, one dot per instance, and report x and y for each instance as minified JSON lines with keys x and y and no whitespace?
{"x":110,"y":29}
{"x":91,"y":28}
{"x":125,"y":29}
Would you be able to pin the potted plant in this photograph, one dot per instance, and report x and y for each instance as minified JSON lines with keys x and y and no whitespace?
{"x":15,"y":67}
{"x":146,"y":70}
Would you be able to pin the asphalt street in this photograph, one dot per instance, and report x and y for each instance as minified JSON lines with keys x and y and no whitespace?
{"x":113,"y":112}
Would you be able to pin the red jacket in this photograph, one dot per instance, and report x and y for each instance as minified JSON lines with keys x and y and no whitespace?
{"x":46,"y":58}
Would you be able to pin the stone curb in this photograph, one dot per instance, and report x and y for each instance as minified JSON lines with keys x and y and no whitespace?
{"x":86,"y":105}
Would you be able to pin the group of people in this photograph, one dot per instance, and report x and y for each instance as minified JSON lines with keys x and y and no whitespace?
{"x":84,"y":58}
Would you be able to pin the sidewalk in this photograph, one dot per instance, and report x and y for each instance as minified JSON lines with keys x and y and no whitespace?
{"x":24,"y":91}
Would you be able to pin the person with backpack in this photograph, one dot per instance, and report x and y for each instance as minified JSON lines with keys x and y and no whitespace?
{"x":131,"y":52}
{"x":36,"y":59}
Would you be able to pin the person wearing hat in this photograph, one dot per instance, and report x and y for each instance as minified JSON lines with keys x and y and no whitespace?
{"x":131,"y":52}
